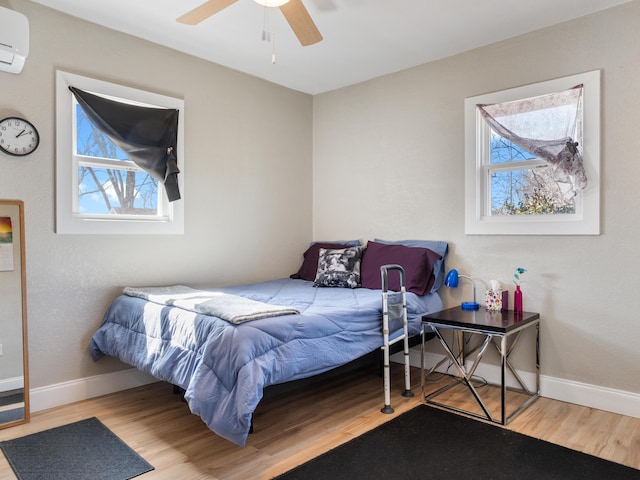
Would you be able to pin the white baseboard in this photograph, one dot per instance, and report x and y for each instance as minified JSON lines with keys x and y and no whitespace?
{"x":64,"y":393}
{"x":8,"y":384}
{"x":592,"y":396}
{"x":602,"y":398}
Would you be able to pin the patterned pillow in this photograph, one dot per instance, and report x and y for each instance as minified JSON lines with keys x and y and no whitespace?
{"x":339,"y":267}
{"x":309,"y":266}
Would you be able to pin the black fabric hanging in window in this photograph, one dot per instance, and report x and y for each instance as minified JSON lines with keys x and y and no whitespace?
{"x":147,"y":135}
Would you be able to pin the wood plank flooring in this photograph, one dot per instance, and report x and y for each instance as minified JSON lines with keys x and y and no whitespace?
{"x":293,"y":428}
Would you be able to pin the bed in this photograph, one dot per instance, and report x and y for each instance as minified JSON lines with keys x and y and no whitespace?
{"x":224,"y":365}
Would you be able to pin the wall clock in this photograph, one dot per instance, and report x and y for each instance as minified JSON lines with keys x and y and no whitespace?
{"x":18,"y":136}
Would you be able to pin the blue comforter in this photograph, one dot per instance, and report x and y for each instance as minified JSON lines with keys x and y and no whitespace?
{"x":224,"y":367}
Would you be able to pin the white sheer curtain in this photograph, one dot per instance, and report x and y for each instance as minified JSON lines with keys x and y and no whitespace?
{"x":548,"y":126}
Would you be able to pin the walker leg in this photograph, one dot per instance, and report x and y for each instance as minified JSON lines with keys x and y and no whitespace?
{"x":387,"y":387}
{"x":407,"y":365}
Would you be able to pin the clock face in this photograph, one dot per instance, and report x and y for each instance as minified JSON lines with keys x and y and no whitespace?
{"x":17,"y":136}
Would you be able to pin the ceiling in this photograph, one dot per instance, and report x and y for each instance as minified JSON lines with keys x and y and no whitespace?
{"x":363,"y":39}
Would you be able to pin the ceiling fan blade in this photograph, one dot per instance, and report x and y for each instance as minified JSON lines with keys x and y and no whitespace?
{"x":204,"y":11}
{"x":301,"y":22}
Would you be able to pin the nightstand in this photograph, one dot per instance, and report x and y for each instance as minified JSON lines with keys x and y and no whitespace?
{"x":501,"y":330}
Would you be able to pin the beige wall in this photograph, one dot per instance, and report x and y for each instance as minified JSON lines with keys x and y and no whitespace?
{"x":389,"y":163}
{"x":248,"y":167}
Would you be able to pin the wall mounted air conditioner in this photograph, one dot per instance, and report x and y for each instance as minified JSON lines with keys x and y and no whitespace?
{"x":14,"y":40}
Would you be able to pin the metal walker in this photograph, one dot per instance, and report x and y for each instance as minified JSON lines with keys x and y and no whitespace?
{"x":394,"y":317}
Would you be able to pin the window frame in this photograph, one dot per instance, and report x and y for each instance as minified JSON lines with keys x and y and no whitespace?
{"x":171,"y":219}
{"x":586,"y":220}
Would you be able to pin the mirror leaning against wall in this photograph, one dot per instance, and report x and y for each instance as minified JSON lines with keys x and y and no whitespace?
{"x":14,"y":371}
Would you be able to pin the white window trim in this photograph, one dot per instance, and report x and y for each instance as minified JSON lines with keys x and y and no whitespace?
{"x":587,"y":219}
{"x":66,"y":221}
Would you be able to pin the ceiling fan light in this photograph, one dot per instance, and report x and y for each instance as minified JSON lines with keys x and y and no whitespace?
{"x":271,"y":3}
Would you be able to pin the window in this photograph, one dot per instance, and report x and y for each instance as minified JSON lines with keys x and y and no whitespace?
{"x":519,"y":183}
{"x":100,"y":189}
{"x":532,"y":159}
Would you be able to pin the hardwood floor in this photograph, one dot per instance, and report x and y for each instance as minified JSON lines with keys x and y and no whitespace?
{"x":293,"y":428}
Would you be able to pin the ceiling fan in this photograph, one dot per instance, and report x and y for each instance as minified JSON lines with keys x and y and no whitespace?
{"x":293,"y":10}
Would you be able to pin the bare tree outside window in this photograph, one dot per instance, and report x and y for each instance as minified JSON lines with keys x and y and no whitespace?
{"x":522,"y":189}
{"x":108,"y":183}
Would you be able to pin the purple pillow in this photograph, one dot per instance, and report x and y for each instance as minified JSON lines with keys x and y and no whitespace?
{"x":309,"y":266}
{"x":417,"y":263}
